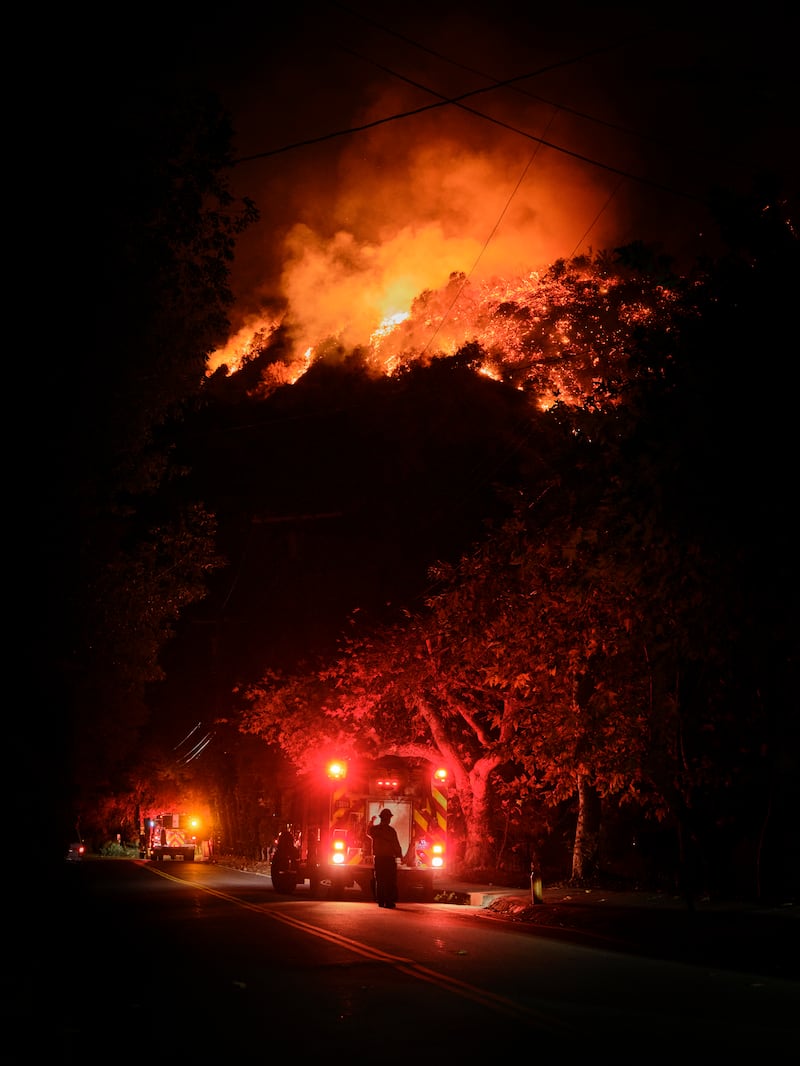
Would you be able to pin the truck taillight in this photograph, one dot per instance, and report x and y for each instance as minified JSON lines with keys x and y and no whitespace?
{"x":437,"y":856}
{"x":338,"y":850}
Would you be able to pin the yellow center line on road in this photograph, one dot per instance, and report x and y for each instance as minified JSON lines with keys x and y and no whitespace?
{"x":402,"y":965}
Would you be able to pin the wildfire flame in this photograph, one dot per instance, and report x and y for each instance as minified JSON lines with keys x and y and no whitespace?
{"x":527,"y":332}
{"x":387,"y":263}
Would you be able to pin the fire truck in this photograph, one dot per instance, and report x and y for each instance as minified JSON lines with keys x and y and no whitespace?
{"x":176,"y":836}
{"x":332,"y":849}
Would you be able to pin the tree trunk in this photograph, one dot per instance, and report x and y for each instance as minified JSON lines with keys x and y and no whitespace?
{"x":477,"y":820}
{"x":585,"y":852}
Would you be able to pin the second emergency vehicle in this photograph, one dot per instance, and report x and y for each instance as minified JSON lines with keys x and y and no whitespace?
{"x":176,"y":836}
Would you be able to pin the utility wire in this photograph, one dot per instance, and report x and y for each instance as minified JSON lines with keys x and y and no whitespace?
{"x":523,"y":92}
{"x":486,"y":243}
{"x":482,"y":74}
{"x":596,"y":218}
{"x":444,"y":101}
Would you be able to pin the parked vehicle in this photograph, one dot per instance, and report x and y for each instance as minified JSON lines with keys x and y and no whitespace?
{"x":176,"y":836}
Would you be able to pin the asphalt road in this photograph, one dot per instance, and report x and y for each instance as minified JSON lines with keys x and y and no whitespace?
{"x":731,"y":935}
{"x":128,"y":960}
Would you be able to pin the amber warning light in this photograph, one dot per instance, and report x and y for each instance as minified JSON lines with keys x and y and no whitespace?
{"x":337,"y":771}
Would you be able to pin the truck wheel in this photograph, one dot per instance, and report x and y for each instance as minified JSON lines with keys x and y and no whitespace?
{"x":283,"y":881}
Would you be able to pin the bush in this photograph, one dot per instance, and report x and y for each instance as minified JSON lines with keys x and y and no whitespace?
{"x":112,"y":849}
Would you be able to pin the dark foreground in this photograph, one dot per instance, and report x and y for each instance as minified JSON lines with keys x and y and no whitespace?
{"x":748,"y":938}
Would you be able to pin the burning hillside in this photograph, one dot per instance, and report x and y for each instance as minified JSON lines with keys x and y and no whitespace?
{"x":441,"y":207}
{"x":557,"y":335}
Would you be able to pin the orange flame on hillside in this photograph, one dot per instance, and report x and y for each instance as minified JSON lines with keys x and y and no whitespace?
{"x":557,"y":335}
{"x":408,"y":251}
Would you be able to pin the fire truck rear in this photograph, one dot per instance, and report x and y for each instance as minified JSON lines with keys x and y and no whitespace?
{"x":176,"y":836}
{"x":332,"y":843}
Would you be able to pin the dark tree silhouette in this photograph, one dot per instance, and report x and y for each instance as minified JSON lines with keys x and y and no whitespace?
{"x":119,"y":562}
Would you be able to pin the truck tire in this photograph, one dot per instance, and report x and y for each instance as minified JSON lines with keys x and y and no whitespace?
{"x":284,"y":881}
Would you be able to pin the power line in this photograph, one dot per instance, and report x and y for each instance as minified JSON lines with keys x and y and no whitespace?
{"x":457,"y":101}
{"x":482,"y":74}
{"x":586,"y":233}
{"x":486,"y":243}
{"x":524,"y":92}
{"x":556,"y":108}
{"x":443,"y":101}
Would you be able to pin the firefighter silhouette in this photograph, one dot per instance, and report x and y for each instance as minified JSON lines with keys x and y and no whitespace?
{"x":386,"y":851}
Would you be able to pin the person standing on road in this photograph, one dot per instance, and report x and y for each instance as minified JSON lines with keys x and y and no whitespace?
{"x":386,"y":851}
